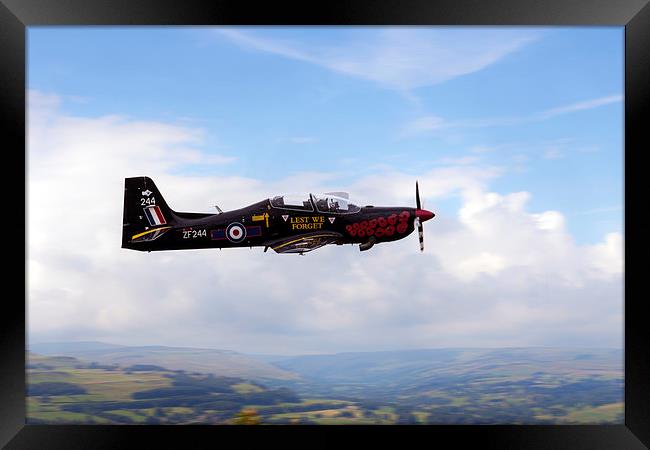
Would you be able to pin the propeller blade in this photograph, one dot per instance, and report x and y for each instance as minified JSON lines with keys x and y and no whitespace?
{"x":418,"y":203}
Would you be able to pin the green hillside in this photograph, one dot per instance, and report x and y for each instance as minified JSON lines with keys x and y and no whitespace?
{"x":476,"y":386}
{"x":222,"y":362}
{"x":68,"y":390}
{"x":492,"y":386}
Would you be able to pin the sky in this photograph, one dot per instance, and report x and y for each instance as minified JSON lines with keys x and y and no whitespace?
{"x":515,"y":136}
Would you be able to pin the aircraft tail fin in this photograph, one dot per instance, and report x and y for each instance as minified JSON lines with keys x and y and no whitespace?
{"x":144,"y":208}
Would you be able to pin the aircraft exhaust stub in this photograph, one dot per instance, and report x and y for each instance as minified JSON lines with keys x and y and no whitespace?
{"x":285,"y":223}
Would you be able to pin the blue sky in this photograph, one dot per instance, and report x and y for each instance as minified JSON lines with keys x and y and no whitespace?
{"x":515,"y":134}
{"x":260,"y":96}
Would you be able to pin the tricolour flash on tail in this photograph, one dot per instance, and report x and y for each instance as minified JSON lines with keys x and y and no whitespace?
{"x":154,"y":215}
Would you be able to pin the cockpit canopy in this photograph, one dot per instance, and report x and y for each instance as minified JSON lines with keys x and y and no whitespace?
{"x":292,"y":201}
{"x":329,"y":202}
{"x":334,"y":202}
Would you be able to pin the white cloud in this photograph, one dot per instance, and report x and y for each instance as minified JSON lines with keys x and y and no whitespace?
{"x":425,"y":124}
{"x":607,"y":258}
{"x":492,"y":274}
{"x":398,"y":57}
{"x":579,"y":106}
{"x":433,"y":124}
{"x":215,"y":159}
{"x":553,"y":153}
{"x":549,"y":220}
{"x":484,"y":262}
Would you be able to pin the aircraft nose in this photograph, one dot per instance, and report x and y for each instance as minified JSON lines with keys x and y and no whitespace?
{"x":423,"y":214}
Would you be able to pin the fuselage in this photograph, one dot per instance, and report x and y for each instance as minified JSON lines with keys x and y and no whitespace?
{"x":287,"y":223}
{"x":261,"y":223}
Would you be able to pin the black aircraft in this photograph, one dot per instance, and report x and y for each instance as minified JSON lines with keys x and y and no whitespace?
{"x":286,"y":223}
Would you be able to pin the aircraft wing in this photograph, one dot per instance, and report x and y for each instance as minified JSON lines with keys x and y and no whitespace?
{"x":305,"y":242}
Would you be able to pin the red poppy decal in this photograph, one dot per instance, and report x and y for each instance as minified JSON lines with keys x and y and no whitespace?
{"x":381,"y":226}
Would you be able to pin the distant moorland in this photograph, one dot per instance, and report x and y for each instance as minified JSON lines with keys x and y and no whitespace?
{"x":109,"y":384}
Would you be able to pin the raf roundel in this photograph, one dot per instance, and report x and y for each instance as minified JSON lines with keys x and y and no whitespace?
{"x":236,"y":232}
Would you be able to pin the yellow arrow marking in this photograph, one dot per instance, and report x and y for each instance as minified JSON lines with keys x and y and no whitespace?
{"x":135,"y":236}
{"x":264,"y":216}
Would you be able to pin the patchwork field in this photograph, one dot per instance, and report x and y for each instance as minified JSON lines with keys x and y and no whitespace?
{"x":507,"y":386}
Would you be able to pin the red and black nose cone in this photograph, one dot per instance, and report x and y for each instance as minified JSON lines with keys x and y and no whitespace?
{"x":424,"y":215}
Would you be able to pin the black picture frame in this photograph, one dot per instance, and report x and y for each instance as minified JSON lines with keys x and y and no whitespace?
{"x":16,"y":15}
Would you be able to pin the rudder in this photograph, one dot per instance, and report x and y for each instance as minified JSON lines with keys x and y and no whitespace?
{"x":144,"y":208}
